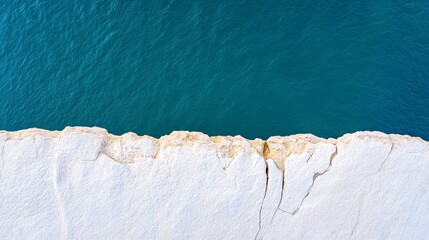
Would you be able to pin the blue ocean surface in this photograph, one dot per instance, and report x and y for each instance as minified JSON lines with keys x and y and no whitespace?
{"x":255,"y":68}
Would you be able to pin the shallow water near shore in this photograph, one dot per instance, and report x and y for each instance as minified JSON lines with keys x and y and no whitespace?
{"x":254,"y":68}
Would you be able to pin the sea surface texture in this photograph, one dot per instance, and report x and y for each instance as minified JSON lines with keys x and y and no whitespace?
{"x":254,"y":68}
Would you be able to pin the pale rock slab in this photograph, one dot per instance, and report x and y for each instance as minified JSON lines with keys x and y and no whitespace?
{"x":84,"y":183}
{"x":376,"y":188}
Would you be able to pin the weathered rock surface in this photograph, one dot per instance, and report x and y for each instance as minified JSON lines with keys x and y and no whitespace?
{"x":83,"y":183}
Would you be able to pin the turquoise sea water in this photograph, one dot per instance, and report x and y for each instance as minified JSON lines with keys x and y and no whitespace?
{"x":254,"y":68}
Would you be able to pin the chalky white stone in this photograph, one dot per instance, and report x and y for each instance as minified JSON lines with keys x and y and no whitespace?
{"x":84,"y":183}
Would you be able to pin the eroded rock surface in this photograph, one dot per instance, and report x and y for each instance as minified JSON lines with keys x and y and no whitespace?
{"x":84,"y":183}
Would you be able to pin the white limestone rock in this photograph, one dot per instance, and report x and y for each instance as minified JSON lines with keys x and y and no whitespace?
{"x":84,"y":183}
{"x":377,"y":187}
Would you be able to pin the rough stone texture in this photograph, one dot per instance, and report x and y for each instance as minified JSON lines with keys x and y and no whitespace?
{"x":83,"y":183}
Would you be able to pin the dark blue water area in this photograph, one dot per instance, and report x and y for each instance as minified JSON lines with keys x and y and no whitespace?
{"x":253,"y":68}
